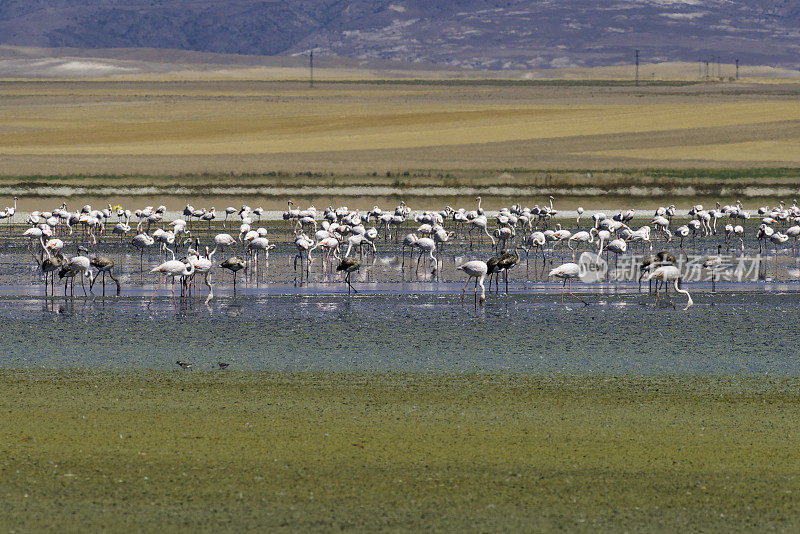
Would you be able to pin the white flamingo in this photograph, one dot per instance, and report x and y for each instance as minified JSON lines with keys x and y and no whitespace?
{"x":171,"y":268}
{"x":476,"y":269}
{"x":667,"y":274}
{"x":567,"y":272}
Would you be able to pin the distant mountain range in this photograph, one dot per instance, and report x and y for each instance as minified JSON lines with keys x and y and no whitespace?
{"x":479,"y":34}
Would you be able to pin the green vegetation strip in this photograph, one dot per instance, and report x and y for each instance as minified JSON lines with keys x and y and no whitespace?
{"x":427,"y":177}
{"x":193,"y":451}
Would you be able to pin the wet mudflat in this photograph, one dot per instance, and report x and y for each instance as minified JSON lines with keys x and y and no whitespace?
{"x":86,"y":450}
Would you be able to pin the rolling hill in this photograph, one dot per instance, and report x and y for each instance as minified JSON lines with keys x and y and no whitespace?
{"x":475,"y":34}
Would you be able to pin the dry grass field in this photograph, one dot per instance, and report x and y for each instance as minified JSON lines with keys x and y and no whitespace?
{"x":171,"y":127}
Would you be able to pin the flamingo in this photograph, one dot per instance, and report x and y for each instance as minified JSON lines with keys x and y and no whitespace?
{"x":234,"y":265}
{"x":142,"y":241}
{"x":427,"y":246}
{"x":480,"y":222}
{"x":712,"y":263}
{"x":506,"y":262}
{"x":171,"y":268}
{"x":222,"y":241}
{"x":202,"y":265}
{"x":667,"y":274}
{"x":230,"y":210}
{"x":303,"y":244}
{"x":581,"y":237}
{"x":567,"y":272}
{"x":348,"y":265}
{"x":409,"y":241}
{"x":75,"y":266}
{"x":536,"y":240}
{"x":476,"y":269}
{"x":104,"y":265}
{"x":651,"y":262}
{"x":49,"y":266}
{"x":617,"y":246}
{"x":260,"y":244}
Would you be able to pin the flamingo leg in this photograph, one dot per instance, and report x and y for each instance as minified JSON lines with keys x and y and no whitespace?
{"x":154,"y":292}
{"x":350,"y":285}
{"x":463,"y":291}
{"x":668,"y":297}
{"x":574,"y":295}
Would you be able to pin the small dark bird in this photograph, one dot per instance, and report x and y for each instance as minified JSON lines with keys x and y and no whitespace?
{"x":234,"y":265}
{"x":104,"y":265}
{"x":222,"y":365}
{"x":184,"y":365}
{"x":348,"y":265}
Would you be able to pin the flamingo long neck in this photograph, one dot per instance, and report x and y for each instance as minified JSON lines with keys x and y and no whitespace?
{"x":41,"y":240}
{"x":490,"y":235}
{"x":188,"y":270}
{"x":679,"y":290}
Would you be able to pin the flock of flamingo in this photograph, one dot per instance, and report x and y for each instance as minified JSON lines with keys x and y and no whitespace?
{"x":510,"y":230}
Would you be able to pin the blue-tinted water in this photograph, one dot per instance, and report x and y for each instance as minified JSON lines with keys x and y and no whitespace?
{"x":751,"y":333}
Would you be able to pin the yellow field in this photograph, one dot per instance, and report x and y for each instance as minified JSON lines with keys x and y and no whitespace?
{"x":779,"y":149}
{"x":184,"y":127}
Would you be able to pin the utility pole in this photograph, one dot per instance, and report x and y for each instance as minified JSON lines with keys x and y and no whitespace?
{"x":737,"y":69}
{"x":311,"y":69}
{"x":637,"y":67}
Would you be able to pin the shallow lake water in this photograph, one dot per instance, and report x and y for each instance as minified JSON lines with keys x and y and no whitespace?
{"x":622,"y":333}
{"x":404,"y":318}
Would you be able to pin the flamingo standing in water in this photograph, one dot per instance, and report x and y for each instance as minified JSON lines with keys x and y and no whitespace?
{"x":142,"y":241}
{"x":567,"y":272}
{"x":667,"y":274}
{"x":476,"y":269}
{"x":171,"y":268}
{"x":50,"y":265}
{"x":202,"y":265}
{"x":348,"y":265}
{"x":104,"y":265}
{"x":234,"y":264}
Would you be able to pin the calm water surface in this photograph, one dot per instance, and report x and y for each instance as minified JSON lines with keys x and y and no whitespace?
{"x":736,"y":332}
